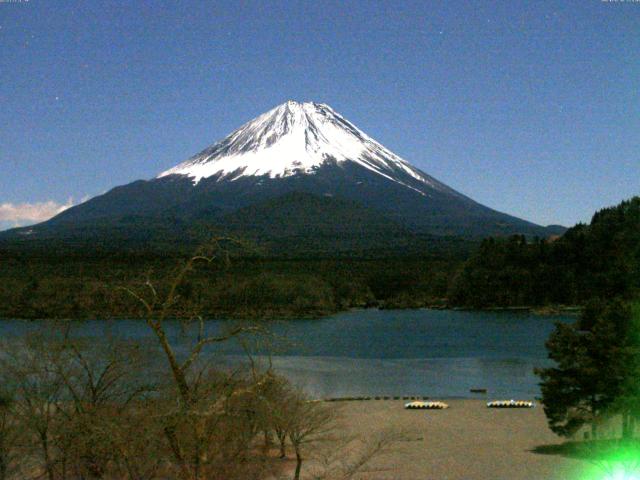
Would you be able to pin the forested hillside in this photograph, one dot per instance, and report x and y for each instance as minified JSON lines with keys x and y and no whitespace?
{"x":601,"y":259}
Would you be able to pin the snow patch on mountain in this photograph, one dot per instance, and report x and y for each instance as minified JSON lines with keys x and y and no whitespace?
{"x":296,"y":138}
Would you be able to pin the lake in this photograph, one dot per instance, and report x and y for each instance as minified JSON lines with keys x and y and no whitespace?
{"x":435,"y":353}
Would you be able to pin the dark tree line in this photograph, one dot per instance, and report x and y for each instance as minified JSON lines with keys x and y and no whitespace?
{"x":599,"y":260}
{"x":77,"y":287}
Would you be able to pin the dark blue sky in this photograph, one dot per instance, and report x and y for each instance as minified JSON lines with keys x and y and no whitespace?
{"x":532,"y":108}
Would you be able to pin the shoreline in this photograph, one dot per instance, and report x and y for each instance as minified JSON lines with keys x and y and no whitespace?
{"x":419,"y":398}
{"x":542,"y":311}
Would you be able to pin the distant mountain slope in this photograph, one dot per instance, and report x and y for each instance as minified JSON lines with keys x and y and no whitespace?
{"x":293,"y":149}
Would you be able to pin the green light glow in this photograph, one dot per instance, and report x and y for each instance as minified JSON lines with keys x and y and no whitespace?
{"x":615,"y":461}
{"x":622,"y":475}
{"x":611,"y":473}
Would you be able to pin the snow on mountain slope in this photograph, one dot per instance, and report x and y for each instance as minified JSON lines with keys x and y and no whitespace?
{"x":298,"y":138}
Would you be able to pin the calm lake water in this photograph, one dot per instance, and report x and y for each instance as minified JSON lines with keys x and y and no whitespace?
{"x":437,"y":353}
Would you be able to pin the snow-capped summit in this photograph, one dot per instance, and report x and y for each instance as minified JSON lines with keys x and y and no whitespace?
{"x":296,"y":138}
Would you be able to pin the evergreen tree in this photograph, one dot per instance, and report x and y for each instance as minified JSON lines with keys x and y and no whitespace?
{"x":628,"y":403}
{"x":596,"y":369}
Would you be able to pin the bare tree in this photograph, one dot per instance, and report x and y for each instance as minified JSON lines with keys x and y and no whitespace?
{"x":27,"y":365}
{"x":202,"y":401}
{"x":308,"y":422}
{"x":343,"y":457}
{"x":246,"y":408}
{"x":10,"y":434}
{"x":71,"y":399}
{"x":138,"y":443}
{"x":277,"y":400}
{"x":100,"y":387}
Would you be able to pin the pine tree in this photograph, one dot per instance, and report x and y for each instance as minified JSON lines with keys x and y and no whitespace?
{"x":595,"y":375}
{"x":628,"y":403}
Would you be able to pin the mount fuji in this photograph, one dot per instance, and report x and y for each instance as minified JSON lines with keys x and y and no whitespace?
{"x":298,"y":173}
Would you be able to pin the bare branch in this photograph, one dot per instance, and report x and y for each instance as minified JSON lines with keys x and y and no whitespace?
{"x":146,"y":305}
{"x":195,"y":352}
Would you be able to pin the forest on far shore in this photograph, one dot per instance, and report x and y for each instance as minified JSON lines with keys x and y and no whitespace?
{"x":601,"y":259}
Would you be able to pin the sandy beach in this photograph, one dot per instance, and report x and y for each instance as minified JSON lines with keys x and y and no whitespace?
{"x":465,"y":442}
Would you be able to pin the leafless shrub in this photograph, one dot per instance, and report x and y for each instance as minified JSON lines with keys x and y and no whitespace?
{"x":10,"y":434}
{"x":28,"y":366}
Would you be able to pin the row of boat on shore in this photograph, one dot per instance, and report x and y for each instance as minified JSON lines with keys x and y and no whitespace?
{"x":423,"y":402}
{"x":420,"y":405}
